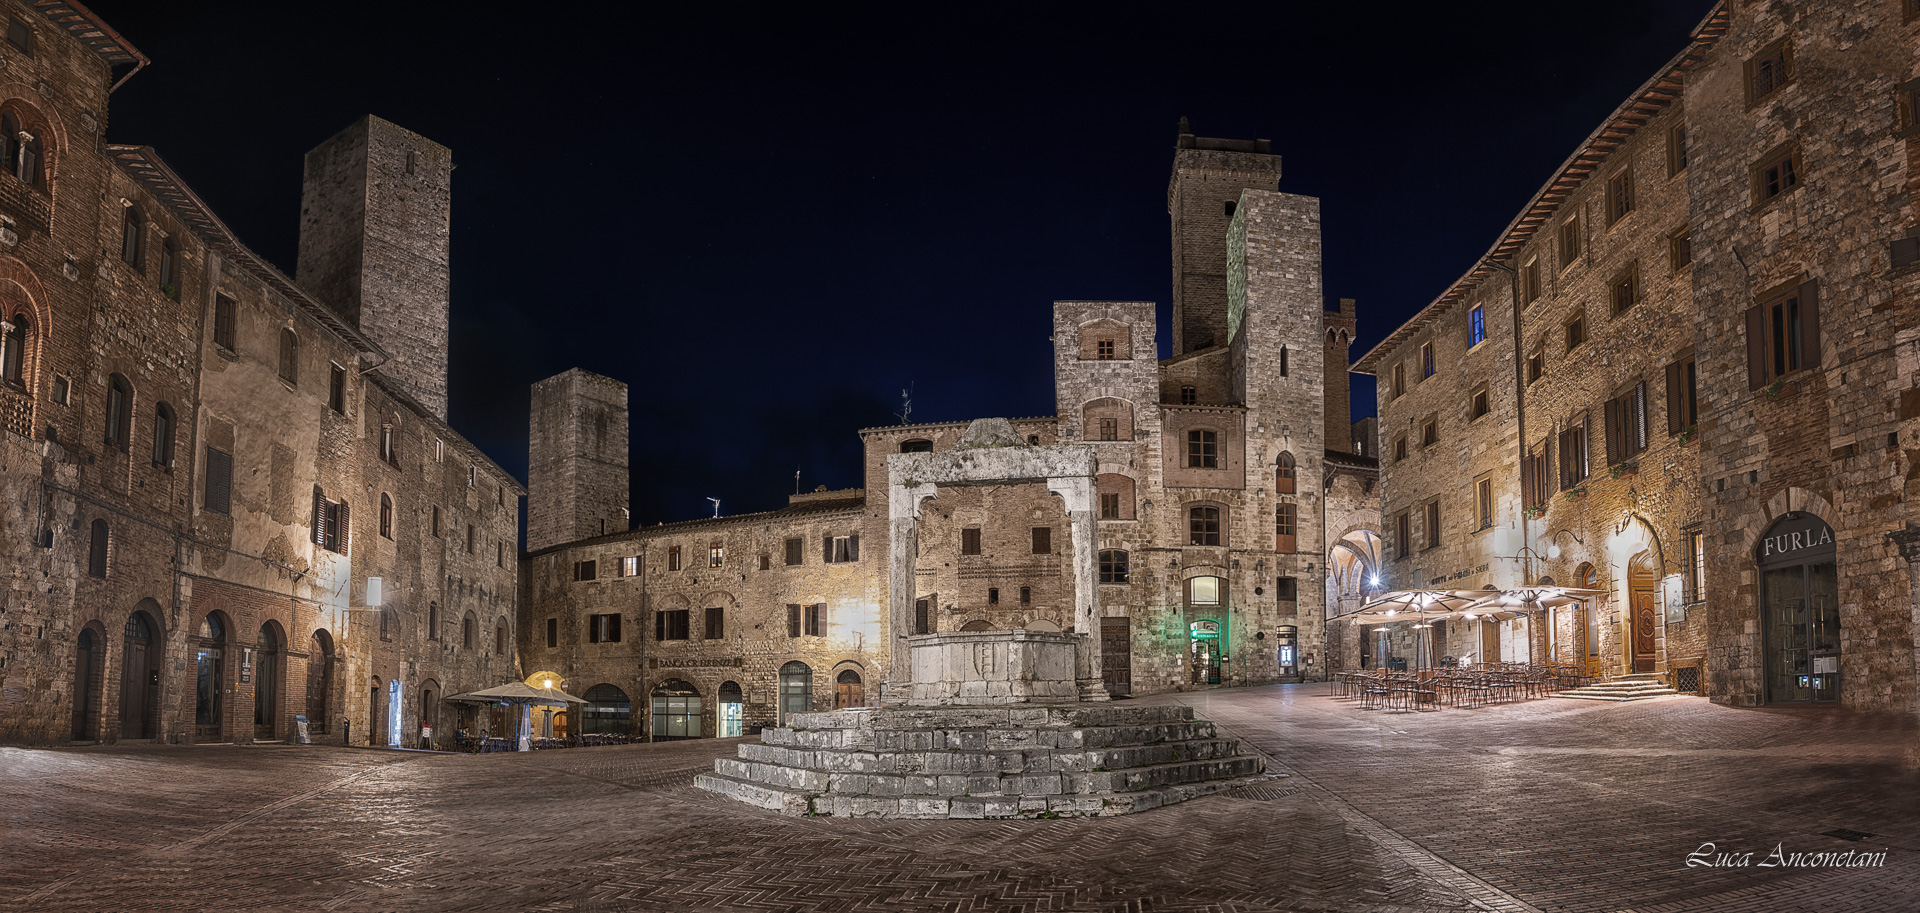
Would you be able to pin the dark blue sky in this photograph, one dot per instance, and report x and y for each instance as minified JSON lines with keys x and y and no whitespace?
{"x":770,"y":219}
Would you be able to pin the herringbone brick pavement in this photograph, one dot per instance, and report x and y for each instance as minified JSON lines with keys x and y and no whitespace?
{"x":1543,"y":805}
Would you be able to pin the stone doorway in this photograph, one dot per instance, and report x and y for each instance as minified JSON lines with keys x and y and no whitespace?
{"x":1643,"y":611}
{"x":1116,"y":654}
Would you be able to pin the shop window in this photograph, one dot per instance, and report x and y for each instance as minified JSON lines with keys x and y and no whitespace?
{"x":1783,"y":333}
{"x":1113,"y":566}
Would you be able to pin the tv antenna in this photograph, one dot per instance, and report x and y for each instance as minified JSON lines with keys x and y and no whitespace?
{"x":716,"y":507}
{"x":905,"y":415}
{"x":796,"y":480}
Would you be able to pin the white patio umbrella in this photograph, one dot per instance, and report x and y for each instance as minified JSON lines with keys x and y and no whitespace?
{"x":524,"y":697}
{"x":1423,"y":607}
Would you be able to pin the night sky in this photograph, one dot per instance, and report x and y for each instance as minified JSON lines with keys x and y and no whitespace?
{"x":769,"y":220}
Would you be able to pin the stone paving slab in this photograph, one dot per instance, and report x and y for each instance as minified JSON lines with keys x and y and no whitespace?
{"x":1541,"y":805}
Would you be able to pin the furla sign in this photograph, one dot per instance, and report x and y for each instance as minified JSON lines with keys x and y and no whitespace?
{"x":1796,"y":537}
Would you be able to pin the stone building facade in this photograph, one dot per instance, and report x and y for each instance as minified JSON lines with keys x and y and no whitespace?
{"x":205,"y":460}
{"x":1222,"y":479}
{"x":1711,"y":372}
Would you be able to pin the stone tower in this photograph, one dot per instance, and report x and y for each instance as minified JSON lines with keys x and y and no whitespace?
{"x":1208,"y":175}
{"x":373,"y":245}
{"x":576,"y":459}
{"x":1340,"y":326}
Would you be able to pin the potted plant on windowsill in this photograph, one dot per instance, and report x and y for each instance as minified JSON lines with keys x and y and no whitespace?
{"x":1535,"y":512}
{"x":1575,"y":494}
{"x":1623,"y":470}
{"x":170,"y":290}
{"x":1687,"y":436}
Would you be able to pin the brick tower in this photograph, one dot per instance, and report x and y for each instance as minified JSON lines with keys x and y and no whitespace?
{"x":576,"y":459}
{"x":1208,"y":175}
{"x":373,"y":245}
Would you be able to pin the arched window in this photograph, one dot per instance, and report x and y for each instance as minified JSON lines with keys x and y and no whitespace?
{"x":1113,"y":566}
{"x":170,"y":269}
{"x":1286,"y":527}
{"x":163,"y":425}
{"x":1115,"y":493}
{"x":386,"y":515}
{"x":119,"y":411}
{"x":1203,"y":525}
{"x":848,"y":690}
{"x":1106,"y":339}
{"x":1283,"y":474}
{"x":97,"y":550}
{"x":796,"y":689}
{"x":1107,"y":419}
{"x":500,"y":638}
{"x":26,"y":165}
{"x":13,"y":359}
{"x":433,"y":621}
{"x":133,"y":236}
{"x":466,"y":632}
{"x":289,"y":356}
{"x":607,"y":710}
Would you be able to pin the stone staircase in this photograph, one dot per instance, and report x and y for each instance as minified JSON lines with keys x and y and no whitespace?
{"x":1638,"y":686}
{"x":983,"y":762}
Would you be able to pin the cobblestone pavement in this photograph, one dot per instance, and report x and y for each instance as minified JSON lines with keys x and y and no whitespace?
{"x":1546,"y":805}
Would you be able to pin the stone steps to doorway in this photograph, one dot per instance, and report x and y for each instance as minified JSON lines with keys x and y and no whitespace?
{"x":1636,"y":687}
{"x":982,"y":762}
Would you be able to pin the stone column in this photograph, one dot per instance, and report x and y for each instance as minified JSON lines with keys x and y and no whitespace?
{"x":1908,"y":542}
{"x":1077,"y":492}
{"x":903,"y":554}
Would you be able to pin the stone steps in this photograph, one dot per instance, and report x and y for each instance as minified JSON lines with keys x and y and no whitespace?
{"x":1640,"y":686}
{"x":794,"y":802}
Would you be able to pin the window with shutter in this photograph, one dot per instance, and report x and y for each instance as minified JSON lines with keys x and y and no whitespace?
{"x":793,"y":619}
{"x":553,"y":632}
{"x":289,"y":357}
{"x":1433,"y":523}
{"x":1043,"y":540}
{"x":218,"y":497}
{"x":1402,"y":535}
{"x":922,"y":617}
{"x":970,"y":541}
{"x":97,"y":550}
{"x":794,"y":549}
{"x":1783,"y":334}
{"x":716,"y":623}
{"x":817,"y":620}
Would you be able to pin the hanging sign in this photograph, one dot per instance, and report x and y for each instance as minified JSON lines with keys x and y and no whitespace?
{"x":1204,"y":630}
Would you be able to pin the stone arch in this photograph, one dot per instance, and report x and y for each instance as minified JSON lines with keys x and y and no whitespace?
{"x":18,"y":99}
{"x":142,"y":648}
{"x":1121,"y":487}
{"x":1789,"y":499}
{"x":1099,"y":329}
{"x":1103,"y":409}
{"x":89,"y":680}
{"x":320,"y":659}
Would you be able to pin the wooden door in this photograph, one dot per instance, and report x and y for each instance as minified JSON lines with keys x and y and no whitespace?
{"x":1116,"y":654}
{"x":86,"y":679}
{"x":1489,"y":640}
{"x":136,"y":675}
{"x":1643,"y":611}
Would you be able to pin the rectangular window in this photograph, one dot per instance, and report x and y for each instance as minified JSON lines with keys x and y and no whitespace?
{"x":1530,"y":281}
{"x":1624,"y":290}
{"x":1400,"y":448}
{"x":1680,"y":248}
{"x":1483,"y":499}
{"x":816,"y":620}
{"x":1683,"y":407}
{"x":1676,"y":149}
{"x":1769,"y":71}
{"x":1113,"y":566}
{"x":794,"y":548}
{"x":716,"y":623}
{"x":223,"y":322}
{"x":132,"y":230}
{"x":499,"y":554}
{"x":840,"y":549}
{"x":1536,"y":476}
{"x":1696,"y":566}
{"x":20,"y":36}
{"x":1907,"y":107}
{"x":1043,"y":540}
{"x":1576,"y":331}
{"x":993,"y":595}
{"x":1427,"y":366}
{"x":1286,"y":589}
{"x":630,"y":566}
{"x":1188,"y":396}
{"x":330,"y":528}
{"x":1109,"y":429}
{"x":766,"y":561}
{"x":1430,"y":432}
{"x":1783,"y":333}
{"x":62,"y":390}
{"x":1478,"y":405}
{"x":1570,"y":240}
{"x":1619,"y":196}
{"x":1203,"y":525}
{"x":603,"y":629}
{"x":970,"y":541}
{"x":388,"y":453}
{"x":1573,"y":453}
{"x":716,"y":555}
{"x":337,"y":389}
{"x":1103,"y":350}
{"x":1026,"y":595}
{"x":553,"y":632}
{"x":1286,"y":527}
{"x":793,"y":619}
{"x":1476,"y":326}
{"x":1433,"y":523}
{"x":1109,"y":505}
{"x":1627,"y":425}
{"x":218,"y":497}
{"x":1536,"y":366}
{"x":673,"y":557}
{"x":922,"y":616}
{"x":1402,"y":535}
{"x":672,"y":625}
{"x":586,"y":570}
{"x":470,"y":539}
{"x":1775,"y":174}
{"x":1399,"y":380}
{"x":1203,"y":450}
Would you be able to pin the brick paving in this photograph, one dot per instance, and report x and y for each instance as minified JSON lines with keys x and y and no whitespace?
{"x":1547,"y":805}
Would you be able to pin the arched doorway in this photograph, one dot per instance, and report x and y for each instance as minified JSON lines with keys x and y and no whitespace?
{"x":1587,"y":619}
{"x":319,"y":680}
{"x":86,"y":685}
{"x":1643,"y":610}
{"x":848,"y":690}
{"x":210,"y":678}
{"x":732,"y":706}
{"x":139,"y":676}
{"x":796,"y":689}
{"x":376,"y":712}
{"x":1799,"y":609}
{"x":266,"y":682}
{"x":429,"y":713}
{"x":676,"y":711}
{"x":608,"y":710}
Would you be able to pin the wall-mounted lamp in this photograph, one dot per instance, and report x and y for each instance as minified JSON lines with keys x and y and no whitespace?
{"x":1553,"y":546}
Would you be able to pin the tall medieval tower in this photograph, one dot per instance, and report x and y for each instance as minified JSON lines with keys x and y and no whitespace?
{"x":577,"y":484}
{"x":1208,"y":175}
{"x":374,"y":219}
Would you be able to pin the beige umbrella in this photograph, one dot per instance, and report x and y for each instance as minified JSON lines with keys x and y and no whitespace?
{"x":523,"y":696}
{"x":1504,"y":604}
{"x":1423,"y":607}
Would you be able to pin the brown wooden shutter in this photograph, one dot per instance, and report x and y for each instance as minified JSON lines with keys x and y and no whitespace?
{"x":613,"y":628}
{"x":853,"y":547}
{"x":659,"y":627}
{"x":1756,"y":348}
{"x":346,"y":527}
{"x":319,"y":518}
{"x":1566,"y":452}
{"x":826,"y":551}
{"x":1810,"y":323}
{"x":1614,"y":436}
{"x":793,"y":619}
{"x":1676,"y":421}
{"x":1526,"y":481}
